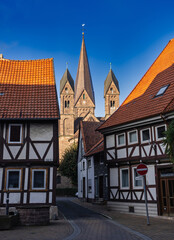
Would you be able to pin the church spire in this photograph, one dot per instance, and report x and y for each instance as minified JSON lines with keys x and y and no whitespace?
{"x":83,"y":78}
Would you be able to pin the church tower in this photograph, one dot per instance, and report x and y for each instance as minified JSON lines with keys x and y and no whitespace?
{"x":84,"y":93}
{"x":111,"y":94}
{"x":66,"y":122}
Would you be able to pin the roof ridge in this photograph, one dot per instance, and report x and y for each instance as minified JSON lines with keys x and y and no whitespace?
{"x":95,"y":146}
{"x":30,"y":60}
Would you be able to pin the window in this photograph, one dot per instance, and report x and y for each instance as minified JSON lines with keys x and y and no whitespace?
{"x":83,"y":96}
{"x":121,"y":139}
{"x":162,"y":91}
{"x":124,"y":178}
{"x":39,"y":179}
{"x":145,"y":135}
{"x":66,"y":90}
{"x":112,"y":103}
{"x":58,"y":179}
{"x":89,"y":185}
{"x":66,"y":104}
{"x":89,"y":163}
{"x":133,"y":137}
{"x":111,"y":89}
{"x":160,"y":132}
{"x":83,"y":165}
{"x":13,"y":179}
{"x":137,"y":179}
{"x":15,"y":133}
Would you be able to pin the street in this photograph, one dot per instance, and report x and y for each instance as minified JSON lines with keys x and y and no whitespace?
{"x":88,"y":225}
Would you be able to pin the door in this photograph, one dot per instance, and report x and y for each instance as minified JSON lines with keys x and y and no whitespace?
{"x":84,"y":187}
{"x":100,"y":186}
{"x":167,"y":196}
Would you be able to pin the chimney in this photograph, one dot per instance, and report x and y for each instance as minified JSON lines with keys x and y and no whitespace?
{"x":1,"y":56}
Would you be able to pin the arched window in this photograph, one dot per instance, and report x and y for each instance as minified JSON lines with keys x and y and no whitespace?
{"x":67,"y":104}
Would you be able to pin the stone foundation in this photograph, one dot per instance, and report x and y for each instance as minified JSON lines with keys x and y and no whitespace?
{"x":33,"y":215}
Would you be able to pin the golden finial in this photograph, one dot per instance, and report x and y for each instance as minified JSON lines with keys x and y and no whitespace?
{"x":83,"y":29}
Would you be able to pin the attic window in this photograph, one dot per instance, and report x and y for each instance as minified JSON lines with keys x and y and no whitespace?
{"x":162,"y":91}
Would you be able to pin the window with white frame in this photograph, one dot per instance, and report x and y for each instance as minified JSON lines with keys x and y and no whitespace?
{"x":15,"y":133}
{"x":145,"y":135}
{"x":133,"y":137}
{"x":121,"y":139}
{"x":39,"y":179}
{"x":124,"y":178}
{"x":138,"y":182}
{"x":160,"y":132}
{"x":13,"y":179}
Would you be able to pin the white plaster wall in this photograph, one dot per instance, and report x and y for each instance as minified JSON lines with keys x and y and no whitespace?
{"x":1,"y":175}
{"x":6,"y":155}
{"x":110,"y":141}
{"x":136,"y":152}
{"x":150,"y":176}
{"x":113,"y":177}
{"x":23,"y":153}
{"x":121,"y":153}
{"x":79,"y":180}
{"x":81,"y":174}
{"x":26,"y":179}
{"x":50,"y":197}
{"x":25,"y":198}
{"x":14,"y":198}
{"x":41,"y":148}
{"x":49,"y":156}
{"x":37,"y":197}
{"x":51,"y":178}
{"x":91,"y":176}
{"x":41,"y":131}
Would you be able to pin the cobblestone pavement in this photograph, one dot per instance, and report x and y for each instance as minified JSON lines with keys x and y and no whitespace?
{"x":161,"y":228}
{"x":57,"y":230}
{"x":93,"y":226}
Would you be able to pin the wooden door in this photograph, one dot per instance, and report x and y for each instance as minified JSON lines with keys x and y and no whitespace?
{"x":167,"y":196}
{"x":100,"y":186}
{"x":84,"y":187}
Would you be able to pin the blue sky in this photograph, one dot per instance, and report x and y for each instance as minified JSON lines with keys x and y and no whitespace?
{"x":130,"y":34}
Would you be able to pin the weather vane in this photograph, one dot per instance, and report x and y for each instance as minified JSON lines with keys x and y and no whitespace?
{"x":83,"y":28}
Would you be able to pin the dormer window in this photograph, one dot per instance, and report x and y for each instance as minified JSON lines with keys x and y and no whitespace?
{"x":162,"y":91}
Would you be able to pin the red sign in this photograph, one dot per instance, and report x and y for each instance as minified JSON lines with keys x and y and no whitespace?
{"x":142,"y":169}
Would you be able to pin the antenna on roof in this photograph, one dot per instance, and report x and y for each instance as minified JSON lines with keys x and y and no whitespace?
{"x":83,"y":29}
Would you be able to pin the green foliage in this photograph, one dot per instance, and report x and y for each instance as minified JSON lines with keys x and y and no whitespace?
{"x":68,"y":166}
{"x":169,"y":141}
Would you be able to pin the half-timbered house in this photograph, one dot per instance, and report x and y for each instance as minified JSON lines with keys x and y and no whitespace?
{"x":28,"y":132}
{"x":134,"y":134}
{"x":92,"y":173}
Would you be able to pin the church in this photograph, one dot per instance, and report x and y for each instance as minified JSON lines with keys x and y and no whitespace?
{"x":77,"y":101}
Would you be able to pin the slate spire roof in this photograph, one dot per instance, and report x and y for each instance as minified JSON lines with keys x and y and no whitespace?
{"x":66,"y":78}
{"x":143,"y":101}
{"x":110,"y":78}
{"x":83,"y":78}
{"x":28,"y":90}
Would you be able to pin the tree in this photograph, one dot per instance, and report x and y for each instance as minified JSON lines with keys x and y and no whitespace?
{"x":169,"y":140}
{"x":68,"y":165}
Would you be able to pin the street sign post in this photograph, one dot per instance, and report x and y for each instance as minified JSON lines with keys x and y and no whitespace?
{"x":142,"y":170}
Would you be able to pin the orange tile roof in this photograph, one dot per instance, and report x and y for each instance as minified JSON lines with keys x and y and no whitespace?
{"x":27,"y":89}
{"x":164,"y":60}
{"x":142,"y":103}
{"x":27,"y":72}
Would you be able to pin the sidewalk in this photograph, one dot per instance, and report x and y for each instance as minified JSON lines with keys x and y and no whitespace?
{"x":159,"y":229}
{"x":58,"y":229}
